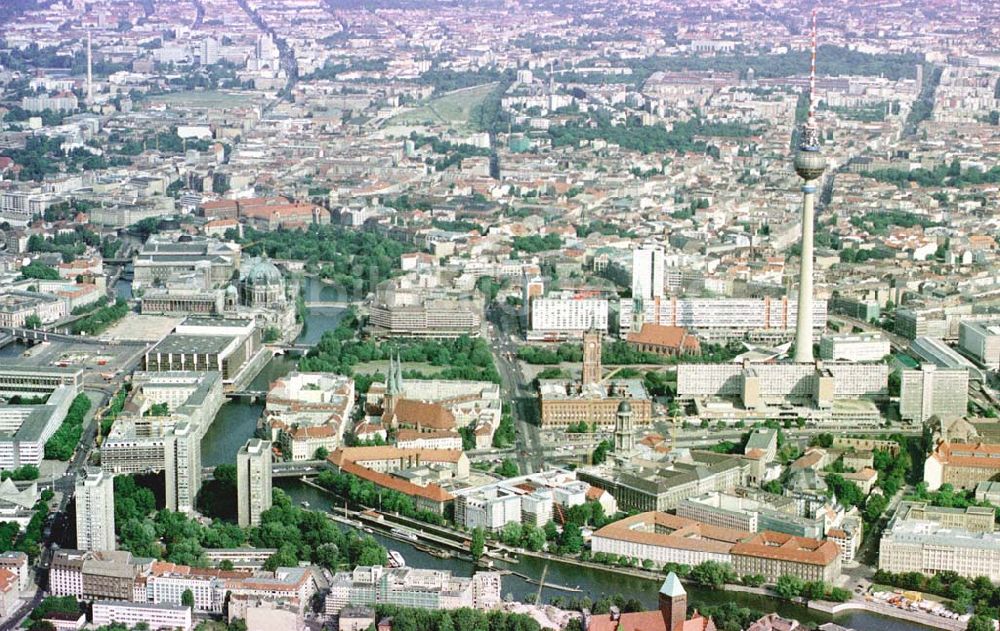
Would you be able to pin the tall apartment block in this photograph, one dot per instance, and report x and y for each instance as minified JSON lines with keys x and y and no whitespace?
{"x":182,"y":459}
{"x":95,"y":510}
{"x":253,"y":481}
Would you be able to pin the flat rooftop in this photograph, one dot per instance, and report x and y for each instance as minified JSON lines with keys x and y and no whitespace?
{"x":177,"y":343}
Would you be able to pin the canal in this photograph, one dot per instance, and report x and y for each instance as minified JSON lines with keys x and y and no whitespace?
{"x":237,"y":421}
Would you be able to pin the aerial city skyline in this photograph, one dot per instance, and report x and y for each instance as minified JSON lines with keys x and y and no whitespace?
{"x":454,"y":315}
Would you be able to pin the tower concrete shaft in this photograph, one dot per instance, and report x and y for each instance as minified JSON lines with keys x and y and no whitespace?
{"x":809,"y":164}
{"x":90,"y":70}
{"x":804,"y":321}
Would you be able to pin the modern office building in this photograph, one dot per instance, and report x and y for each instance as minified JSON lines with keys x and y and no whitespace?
{"x":24,"y":429}
{"x":95,"y":510}
{"x":859,"y":308}
{"x":647,"y":273}
{"x":410,"y":587}
{"x":719,"y":319}
{"x":934,"y":321}
{"x":836,"y":393}
{"x":752,"y":510}
{"x":936,"y":351}
{"x":253,"y":481}
{"x":646,"y":485}
{"x":528,"y":499}
{"x":931,"y":391}
{"x":568,"y":317}
{"x":230,"y":346}
{"x":981,"y":341}
{"x":403,"y":307}
{"x":153,"y":616}
{"x":930,"y":540}
{"x":165,"y":416}
{"x":854,"y":347}
{"x":17,"y":378}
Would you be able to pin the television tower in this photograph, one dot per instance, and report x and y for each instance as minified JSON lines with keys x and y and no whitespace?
{"x":90,"y":71}
{"x":809,"y":164}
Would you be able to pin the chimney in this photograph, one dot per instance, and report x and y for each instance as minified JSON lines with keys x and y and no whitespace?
{"x":616,"y":614}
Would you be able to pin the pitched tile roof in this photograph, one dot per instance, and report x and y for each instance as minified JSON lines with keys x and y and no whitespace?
{"x":673,"y":337}
{"x":782,"y":547}
{"x":979,"y":455}
{"x":672,"y":531}
{"x":426,"y":415}
{"x":431,"y":492}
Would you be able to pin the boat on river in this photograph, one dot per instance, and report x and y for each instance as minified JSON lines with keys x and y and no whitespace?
{"x":396,"y":559}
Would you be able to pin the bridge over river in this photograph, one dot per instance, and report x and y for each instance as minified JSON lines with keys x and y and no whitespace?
{"x":297,"y":469}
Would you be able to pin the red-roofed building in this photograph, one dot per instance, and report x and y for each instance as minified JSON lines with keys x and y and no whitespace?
{"x":775,"y":554}
{"x":665,"y":340}
{"x":671,"y":615}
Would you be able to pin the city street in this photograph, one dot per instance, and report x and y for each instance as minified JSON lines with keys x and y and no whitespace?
{"x":514,"y":390}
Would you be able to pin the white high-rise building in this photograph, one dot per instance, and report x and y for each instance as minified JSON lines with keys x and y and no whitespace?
{"x":253,"y":481}
{"x":182,"y":460}
{"x":647,"y":273}
{"x":564,"y":318}
{"x":95,"y":510}
{"x":933,"y":391}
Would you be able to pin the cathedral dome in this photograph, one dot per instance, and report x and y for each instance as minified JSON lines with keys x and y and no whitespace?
{"x":262,"y":272}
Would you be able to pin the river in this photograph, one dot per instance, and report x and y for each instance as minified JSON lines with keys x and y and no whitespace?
{"x":237,"y":421}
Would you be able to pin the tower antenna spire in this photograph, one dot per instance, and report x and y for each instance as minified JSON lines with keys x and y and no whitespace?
{"x":810,"y":133}
{"x":809,"y":164}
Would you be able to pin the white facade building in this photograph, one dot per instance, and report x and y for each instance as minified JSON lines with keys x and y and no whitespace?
{"x":932,"y":391}
{"x":647,"y":273}
{"x":253,"y":481}
{"x":855,"y":347}
{"x":95,"y":510}
{"x":562,"y":318}
{"x":154,"y":616}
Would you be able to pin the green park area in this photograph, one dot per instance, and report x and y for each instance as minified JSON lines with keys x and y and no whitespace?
{"x":200,"y":98}
{"x":453,"y":109}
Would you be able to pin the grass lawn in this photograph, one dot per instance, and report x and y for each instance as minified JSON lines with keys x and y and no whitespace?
{"x":200,"y":98}
{"x":452,"y":109}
